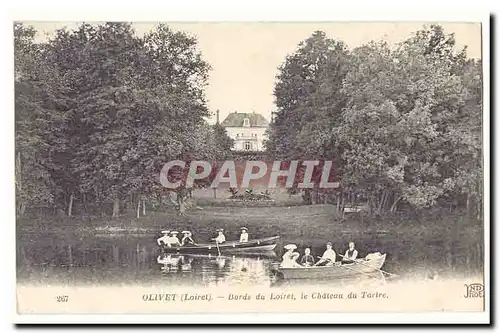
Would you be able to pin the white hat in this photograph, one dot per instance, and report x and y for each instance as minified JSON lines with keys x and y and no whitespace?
{"x":244,"y":229}
{"x":174,"y":232}
{"x":290,"y":246}
{"x":165,"y":231}
{"x":185,"y":232}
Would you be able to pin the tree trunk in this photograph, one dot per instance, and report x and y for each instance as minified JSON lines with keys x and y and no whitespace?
{"x":159,"y":199}
{"x":70,"y":255}
{"x":116,"y":207}
{"x":395,"y":204}
{"x":479,"y":209}
{"x":84,"y":200}
{"x":70,"y":205}
{"x":180,"y":200}
{"x":467,"y":205}
{"x":138,"y":208}
{"x":338,"y":204}
{"x":144,"y":207}
{"x":371,"y":203}
{"x":182,"y":204}
{"x":18,"y":160}
{"x":19,"y":184}
{"x":382,"y":201}
{"x":22,"y":209}
{"x":306,"y":197}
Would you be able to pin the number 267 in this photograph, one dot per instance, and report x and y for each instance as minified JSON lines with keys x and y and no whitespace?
{"x":62,"y":299}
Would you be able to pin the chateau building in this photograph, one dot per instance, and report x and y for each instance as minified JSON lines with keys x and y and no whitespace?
{"x":247,"y":130}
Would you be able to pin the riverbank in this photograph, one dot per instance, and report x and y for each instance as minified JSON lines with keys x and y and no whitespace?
{"x":305,"y":222}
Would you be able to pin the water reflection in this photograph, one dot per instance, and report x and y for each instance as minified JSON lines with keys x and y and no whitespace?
{"x":222,"y":269}
{"x":51,"y":259}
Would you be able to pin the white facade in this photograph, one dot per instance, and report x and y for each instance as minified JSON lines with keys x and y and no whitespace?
{"x":248,"y":130}
{"x":247,"y":138}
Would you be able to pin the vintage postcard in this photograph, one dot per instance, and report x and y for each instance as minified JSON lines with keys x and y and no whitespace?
{"x":219,"y":168}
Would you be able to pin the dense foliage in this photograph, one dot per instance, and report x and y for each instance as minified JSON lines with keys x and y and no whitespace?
{"x":403,"y":123}
{"x":99,"y":110}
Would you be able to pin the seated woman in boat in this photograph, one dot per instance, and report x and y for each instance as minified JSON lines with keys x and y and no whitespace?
{"x":174,"y":241}
{"x":328,"y":258}
{"x":244,"y":235}
{"x":350,"y":254}
{"x":164,"y":238}
{"x":221,"y":238}
{"x":307,"y":259}
{"x":290,"y":257}
{"x":187,"y":239}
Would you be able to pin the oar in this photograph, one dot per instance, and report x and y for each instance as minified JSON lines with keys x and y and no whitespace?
{"x":364,"y":264}
{"x":217,"y":244}
{"x":346,"y":267}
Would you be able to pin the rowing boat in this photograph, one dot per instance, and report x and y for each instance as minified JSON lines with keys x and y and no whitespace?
{"x":229,"y":256}
{"x":364,"y":267}
{"x":252,"y":246}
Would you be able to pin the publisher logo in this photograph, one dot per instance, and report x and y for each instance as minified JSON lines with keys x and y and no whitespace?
{"x":474,"y":290}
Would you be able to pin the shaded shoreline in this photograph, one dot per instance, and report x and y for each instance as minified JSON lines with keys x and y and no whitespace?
{"x":280,"y":219}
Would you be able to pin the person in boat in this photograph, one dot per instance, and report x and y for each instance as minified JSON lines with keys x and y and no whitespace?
{"x":244,"y":235}
{"x":328,"y":258}
{"x":350,"y":254}
{"x":290,"y":257}
{"x":164,"y":238}
{"x":221,"y":238}
{"x":307,"y":259}
{"x":174,"y":241}
{"x":187,"y":238}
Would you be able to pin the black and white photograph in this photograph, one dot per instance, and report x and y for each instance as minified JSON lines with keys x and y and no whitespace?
{"x":200,"y":167}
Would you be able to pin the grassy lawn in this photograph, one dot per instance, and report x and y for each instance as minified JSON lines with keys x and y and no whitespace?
{"x":305,"y":223}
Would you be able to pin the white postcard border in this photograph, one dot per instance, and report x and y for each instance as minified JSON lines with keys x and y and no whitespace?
{"x":213,"y":15}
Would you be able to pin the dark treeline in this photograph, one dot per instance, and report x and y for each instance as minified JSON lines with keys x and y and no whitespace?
{"x":402,"y":122}
{"x":99,"y":110}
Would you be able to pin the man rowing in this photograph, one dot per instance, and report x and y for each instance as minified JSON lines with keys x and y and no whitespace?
{"x":221,"y":238}
{"x":350,"y":254}
{"x":328,"y":258}
{"x":244,"y":235}
{"x":187,"y":238}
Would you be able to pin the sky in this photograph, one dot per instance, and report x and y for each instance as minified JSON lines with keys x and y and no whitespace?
{"x":245,"y":56}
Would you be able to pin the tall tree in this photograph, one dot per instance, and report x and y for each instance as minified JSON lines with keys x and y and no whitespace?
{"x":35,"y":186}
{"x":307,"y":98}
{"x":110,"y":109}
{"x":403,"y":123}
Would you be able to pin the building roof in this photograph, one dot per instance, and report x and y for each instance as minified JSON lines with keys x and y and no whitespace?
{"x":235,"y":119}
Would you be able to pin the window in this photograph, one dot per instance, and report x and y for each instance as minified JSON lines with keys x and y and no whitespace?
{"x":246,"y":122}
{"x":247,"y":146}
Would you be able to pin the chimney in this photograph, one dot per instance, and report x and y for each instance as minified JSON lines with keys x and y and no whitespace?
{"x":217,"y":112}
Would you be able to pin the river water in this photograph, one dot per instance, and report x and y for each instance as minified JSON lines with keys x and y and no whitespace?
{"x":51,"y":259}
